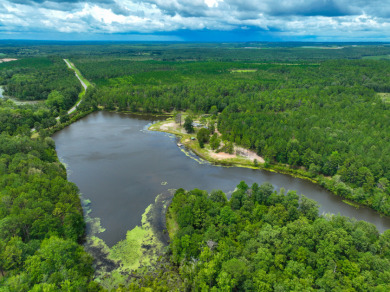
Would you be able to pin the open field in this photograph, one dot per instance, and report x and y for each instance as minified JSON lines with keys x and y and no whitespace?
{"x":5,"y":60}
{"x":243,"y":70}
{"x":385,"y":96}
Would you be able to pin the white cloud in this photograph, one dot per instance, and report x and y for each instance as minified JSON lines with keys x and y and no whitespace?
{"x":286,"y":18}
{"x":212,"y":3}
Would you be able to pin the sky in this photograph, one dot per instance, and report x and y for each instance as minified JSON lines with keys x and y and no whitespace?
{"x":197,"y":20}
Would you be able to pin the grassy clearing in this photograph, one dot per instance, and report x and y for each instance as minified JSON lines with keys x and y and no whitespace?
{"x":21,"y":102}
{"x":35,"y":135}
{"x":243,"y":70}
{"x":385,"y":97}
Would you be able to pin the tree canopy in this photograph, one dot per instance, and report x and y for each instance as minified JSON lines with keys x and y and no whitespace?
{"x":264,"y":240}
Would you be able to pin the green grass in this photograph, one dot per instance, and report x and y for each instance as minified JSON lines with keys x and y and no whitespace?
{"x":243,"y":70}
{"x":352,"y":204}
{"x":385,"y":96}
{"x":381,"y":57}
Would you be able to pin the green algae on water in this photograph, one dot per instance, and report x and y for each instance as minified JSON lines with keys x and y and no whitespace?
{"x":139,"y":250}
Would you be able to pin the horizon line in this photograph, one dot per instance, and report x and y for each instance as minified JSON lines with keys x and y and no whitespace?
{"x":195,"y":42}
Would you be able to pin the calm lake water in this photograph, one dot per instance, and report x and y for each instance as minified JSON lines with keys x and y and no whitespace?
{"x":121,"y":166}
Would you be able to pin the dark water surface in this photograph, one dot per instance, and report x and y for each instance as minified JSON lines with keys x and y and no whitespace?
{"x":121,"y":166}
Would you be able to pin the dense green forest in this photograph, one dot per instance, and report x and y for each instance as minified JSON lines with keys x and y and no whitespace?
{"x":319,"y":110}
{"x":20,"y":119}
{"x":41,"y":218}
{"x":40,"y":79}
{"x":262,"y":240}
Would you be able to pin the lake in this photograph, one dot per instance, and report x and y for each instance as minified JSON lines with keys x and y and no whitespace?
{"x":121,"y":166}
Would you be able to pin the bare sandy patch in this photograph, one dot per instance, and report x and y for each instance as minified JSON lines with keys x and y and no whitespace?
{"x":166,"y":126}
{"x":172,"y":126}
{"x":249,"y":154}
{"x":221,"y":155}
{"x":7,"y":60}
{"x":239,"y":152}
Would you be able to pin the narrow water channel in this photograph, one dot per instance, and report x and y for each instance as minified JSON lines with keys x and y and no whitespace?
{"x":121,"y":166}
{"x":16,"y":101}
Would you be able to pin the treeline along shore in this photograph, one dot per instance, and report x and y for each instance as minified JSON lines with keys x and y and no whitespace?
{"x":322,"y":115}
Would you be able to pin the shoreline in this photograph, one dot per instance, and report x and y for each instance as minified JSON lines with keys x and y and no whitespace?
{"x":326,"y":183}
{"x":319,"y":179}
{"x":156,"y":221}
{"x":235,"y":160}
{"x":143,"y":247}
